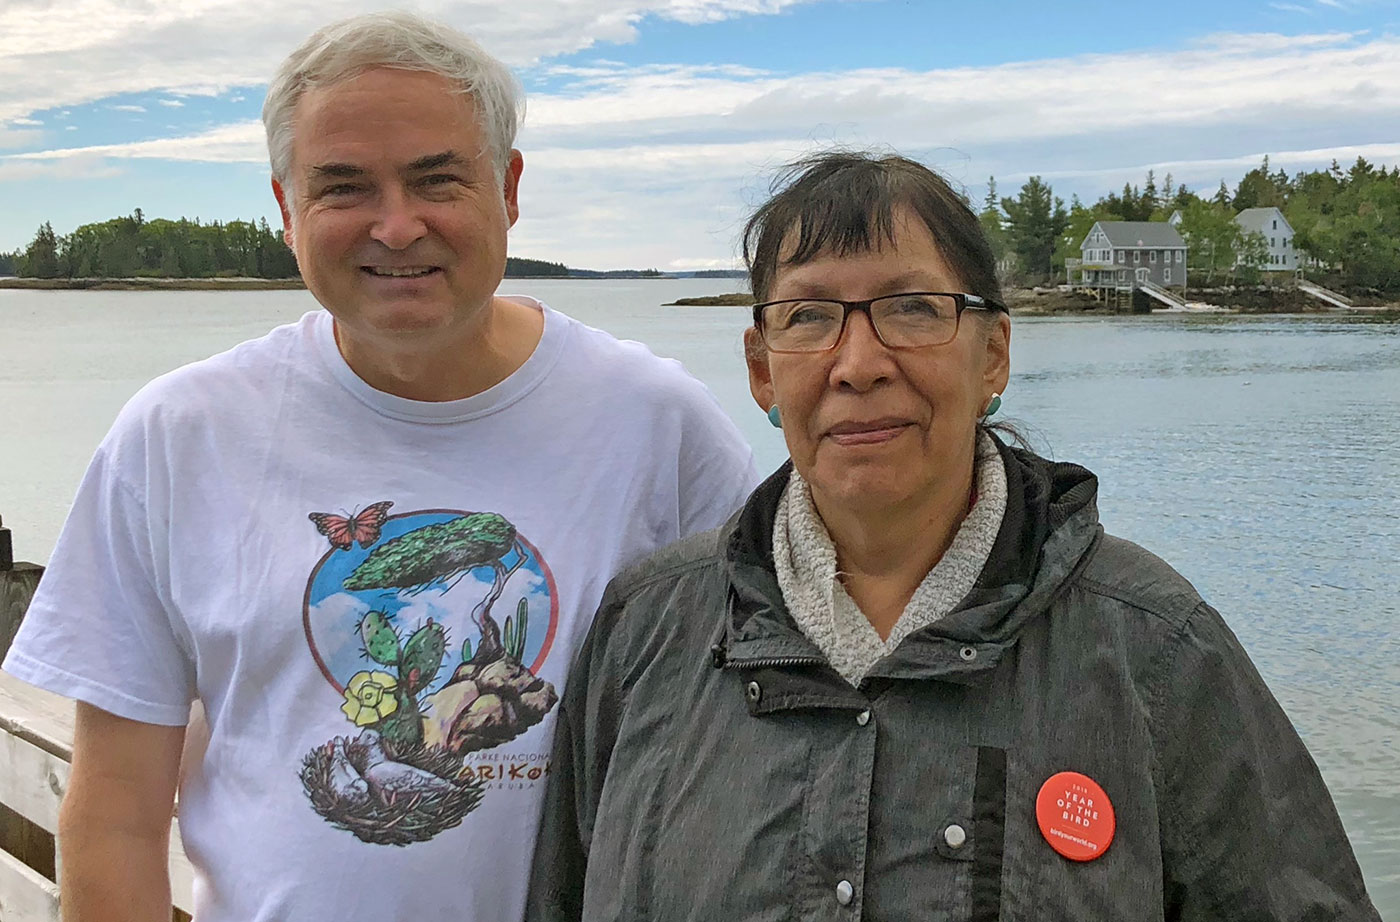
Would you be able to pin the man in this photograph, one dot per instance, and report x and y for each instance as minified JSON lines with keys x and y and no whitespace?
{"x":368,"y":542}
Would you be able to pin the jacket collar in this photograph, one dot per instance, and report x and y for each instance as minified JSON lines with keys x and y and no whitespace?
{"x":1051,"y":525}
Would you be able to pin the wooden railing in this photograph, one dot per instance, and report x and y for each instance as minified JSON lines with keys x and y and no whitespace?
{"x":36,"y":749}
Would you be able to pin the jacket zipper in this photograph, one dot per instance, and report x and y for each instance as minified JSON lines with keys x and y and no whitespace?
{"x":770,"y":662}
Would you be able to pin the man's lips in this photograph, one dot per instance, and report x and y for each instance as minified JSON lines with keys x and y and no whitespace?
{"x":400,"y":272}
{"x":868,"y":432}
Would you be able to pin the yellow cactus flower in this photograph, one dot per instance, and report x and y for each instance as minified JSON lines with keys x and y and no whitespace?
{"x":369,"y":697}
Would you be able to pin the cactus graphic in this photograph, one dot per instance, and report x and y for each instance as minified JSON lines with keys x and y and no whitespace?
{"x":417,"y":661}
{"x":422,"y":656}
{"x":467,"y":650}
{"x":381,"y":640}
{"x":517,"y":628}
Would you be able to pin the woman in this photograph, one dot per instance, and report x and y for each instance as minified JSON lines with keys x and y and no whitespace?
{"x":913,"y":679}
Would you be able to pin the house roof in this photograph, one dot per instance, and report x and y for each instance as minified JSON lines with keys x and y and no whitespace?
{"x":1140,"y":234}
{"x":1257,"y":219}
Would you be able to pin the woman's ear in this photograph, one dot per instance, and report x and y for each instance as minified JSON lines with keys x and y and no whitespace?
{"x":760,"y":377}
{"x":997,"y":369}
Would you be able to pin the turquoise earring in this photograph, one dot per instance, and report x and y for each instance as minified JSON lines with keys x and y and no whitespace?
{"x":992,"y":406}
{"x":774,"y":417}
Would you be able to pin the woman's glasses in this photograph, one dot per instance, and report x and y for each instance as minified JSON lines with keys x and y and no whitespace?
{"x":909,"y":320}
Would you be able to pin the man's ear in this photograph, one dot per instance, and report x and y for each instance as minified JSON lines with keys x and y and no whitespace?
{"x":281,"y":195}
{"x":760,"y":376}
{"x":514,"y":167}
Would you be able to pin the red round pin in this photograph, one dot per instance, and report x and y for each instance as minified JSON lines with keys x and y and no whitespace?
{"x":1075,"y":816}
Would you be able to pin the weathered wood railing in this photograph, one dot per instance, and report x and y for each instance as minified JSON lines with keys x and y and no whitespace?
{"x":36,"y":747}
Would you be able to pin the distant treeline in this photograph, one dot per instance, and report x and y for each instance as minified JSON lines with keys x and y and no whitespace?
{"x":135,"y":247}
{"x":1346,"y":224}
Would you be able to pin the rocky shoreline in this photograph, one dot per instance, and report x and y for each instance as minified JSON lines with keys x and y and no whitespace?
{"x":1054,"y":301}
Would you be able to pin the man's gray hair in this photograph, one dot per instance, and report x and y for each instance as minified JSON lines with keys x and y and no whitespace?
{"x":345,"y":49}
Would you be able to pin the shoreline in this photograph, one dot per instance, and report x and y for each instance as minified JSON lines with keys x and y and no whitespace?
{"x":153,"y":284}
{"x":1043,"y":302}
{"x":1054,"y":302}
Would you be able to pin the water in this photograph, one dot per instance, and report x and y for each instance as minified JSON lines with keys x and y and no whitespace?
{"x":1259,"y":455}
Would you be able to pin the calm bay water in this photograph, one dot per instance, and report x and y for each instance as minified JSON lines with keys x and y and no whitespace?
{"x":1258,"y":455}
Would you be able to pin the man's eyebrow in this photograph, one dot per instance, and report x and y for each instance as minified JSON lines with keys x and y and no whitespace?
{"x":433,"y":161}
{"x":336,"y":170}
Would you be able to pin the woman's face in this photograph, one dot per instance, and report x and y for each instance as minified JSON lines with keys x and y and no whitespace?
{"x":869,"y":426}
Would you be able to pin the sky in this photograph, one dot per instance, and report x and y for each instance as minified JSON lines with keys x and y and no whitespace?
{"x":654,"y":127}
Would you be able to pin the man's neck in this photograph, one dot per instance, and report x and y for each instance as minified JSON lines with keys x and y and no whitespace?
{"x":449,"y":367}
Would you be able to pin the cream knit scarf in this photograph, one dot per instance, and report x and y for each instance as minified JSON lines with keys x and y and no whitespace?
{"x":805,"y":560}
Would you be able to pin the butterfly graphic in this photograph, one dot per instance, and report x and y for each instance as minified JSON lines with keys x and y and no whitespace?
{"x":344,"y":531}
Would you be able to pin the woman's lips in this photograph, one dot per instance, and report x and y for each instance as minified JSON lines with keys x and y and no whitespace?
{"x":871,"y":433}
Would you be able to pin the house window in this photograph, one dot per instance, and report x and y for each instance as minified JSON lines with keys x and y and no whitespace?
{"x":1152,"y":256}
{"x":1167,"y":276}
{"x":1179,"y":255}
{"x":1273,"y":241}
{"x":1122,"y":256}
{"x":1275,"y":227}
{"x":1137,"y":257}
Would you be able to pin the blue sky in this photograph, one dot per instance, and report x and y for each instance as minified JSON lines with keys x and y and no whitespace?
{"x":654,"y":124}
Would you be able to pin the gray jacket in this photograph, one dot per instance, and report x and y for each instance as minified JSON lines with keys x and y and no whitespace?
{"x":710,"y":765}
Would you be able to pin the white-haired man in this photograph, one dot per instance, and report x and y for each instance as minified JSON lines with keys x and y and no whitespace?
{"x":368,"y":542}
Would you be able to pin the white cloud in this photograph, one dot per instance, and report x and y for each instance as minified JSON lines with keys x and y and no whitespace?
{"x":240,"y":142}
{"x":659,"y":165}
{"x":15,"y":170}
{"x":172,"y":103}
{"x":30,"y":122}
{"x":65,"y":54}
{"x":18,"y":137}
{"x":127,"y":108}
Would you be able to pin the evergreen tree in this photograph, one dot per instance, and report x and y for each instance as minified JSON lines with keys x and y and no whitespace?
{"x":1035,"y":219}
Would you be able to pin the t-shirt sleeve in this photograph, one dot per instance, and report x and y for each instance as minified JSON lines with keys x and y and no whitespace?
{"x":98,"y":628}
{"x":716,"y":466}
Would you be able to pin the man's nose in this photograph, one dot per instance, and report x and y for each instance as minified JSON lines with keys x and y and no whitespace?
{"x":398,"y":223}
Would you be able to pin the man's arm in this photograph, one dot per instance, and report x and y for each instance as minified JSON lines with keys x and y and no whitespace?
{"x":114,"y":825}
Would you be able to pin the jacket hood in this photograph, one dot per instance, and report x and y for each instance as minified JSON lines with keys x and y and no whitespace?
{"x":1050,"y":525}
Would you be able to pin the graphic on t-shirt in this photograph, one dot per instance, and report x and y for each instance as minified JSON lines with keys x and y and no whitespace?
{"x":400,"y":618}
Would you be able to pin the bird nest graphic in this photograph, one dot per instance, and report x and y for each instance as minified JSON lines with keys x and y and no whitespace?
{"x":386,"y":797}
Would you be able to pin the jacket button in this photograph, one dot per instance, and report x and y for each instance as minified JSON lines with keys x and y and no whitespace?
{"x":955,"y":836}
{"x":968,"y":654}
{"x":844,"y":892}
{"x":754,"y":692}
{"x":863,"y":718}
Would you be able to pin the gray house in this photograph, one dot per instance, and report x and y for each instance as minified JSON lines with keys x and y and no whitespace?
{"x":1122,"y":254}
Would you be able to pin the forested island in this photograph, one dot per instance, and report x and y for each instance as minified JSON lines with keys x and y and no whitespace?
{"x":1346,"y":223}
{"x":159,"y":253}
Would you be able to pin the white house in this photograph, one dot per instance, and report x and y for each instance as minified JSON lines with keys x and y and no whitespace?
{"x":1278,"y":234}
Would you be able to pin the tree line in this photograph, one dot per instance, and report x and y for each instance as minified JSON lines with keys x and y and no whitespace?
{"x":134,"y":247}
{"x":1346,"y":225}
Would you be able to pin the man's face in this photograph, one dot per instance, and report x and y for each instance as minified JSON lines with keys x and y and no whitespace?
{"x":397,"y":219}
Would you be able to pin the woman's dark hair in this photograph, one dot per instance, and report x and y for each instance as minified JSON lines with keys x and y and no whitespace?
{"x":845,"y":202}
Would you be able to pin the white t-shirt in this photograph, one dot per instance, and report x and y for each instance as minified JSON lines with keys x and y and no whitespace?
{"x":308,"y":555}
